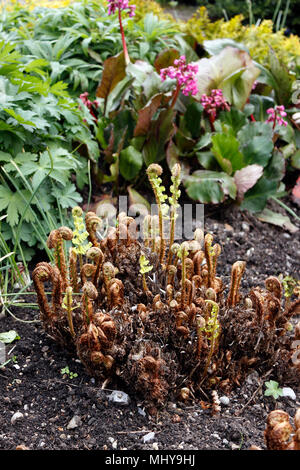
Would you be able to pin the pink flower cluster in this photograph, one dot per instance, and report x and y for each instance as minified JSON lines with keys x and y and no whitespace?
{"x":184,"y":74}
{"x":89,"y":104}
{"x":215,"y":101}
{"x":276,"y":116}
{"x":120,"y":5}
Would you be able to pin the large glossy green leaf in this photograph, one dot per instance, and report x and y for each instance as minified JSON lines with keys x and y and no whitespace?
{"x":215,"y":46}
{"x":131,"y":162}
{"x":256,"y":198}
{"x":207,"y":160}
{"x":226,"y":151}
{"x":261,"y":104}
{"x":210,"y":186}
{"x":256,"y":143}
{"x":192,"y":118}
{"x":232,"y":70}
{"x":283,"y":79}
{"x":275,"y":169}
{"x":295,"y":160}
{"x":159,"y":134}
{"x":146,"y":79}
{"x":234,"y":119}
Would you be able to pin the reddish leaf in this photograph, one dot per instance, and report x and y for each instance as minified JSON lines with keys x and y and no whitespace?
{"x":146,"y":114}
{"x":166,"y":58}
{"x":113,"y":73}
{"x":296,"y":192}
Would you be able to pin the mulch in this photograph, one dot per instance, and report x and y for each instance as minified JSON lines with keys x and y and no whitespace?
{"x":46,"y":399}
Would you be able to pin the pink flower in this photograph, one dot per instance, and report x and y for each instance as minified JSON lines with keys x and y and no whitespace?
{"x":215,"y":101}
{"x":120,"y":5}
{"x":254,"y":85}
{"x":89,"y":104}
{"x":184,"y":74}
{"x":276,"y":116}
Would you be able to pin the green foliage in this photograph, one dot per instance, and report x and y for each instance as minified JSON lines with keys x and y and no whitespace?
{"x":145,"y":266}
{"x":35,"y":193}
{"x":280,"y":11}
{"x":48,"y":56}
{"x":273,"y":389}
{"x":256,"y":37}
{"x":39,"y":124}
{"x":9,"y":337}
{"x":231,"y":70}
{"x":290,"y":285}
{"x":66,"y":371}
{"x":79,"y":240}
{"x":240,"y":152}
{"x":75,"y":41}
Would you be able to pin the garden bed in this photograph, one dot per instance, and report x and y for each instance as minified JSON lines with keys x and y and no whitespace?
{"x":47,"y":399}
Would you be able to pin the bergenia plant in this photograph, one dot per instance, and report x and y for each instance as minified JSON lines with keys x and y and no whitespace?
{"x":214,"y":103}
{"x":276,"y":116}
{"x":184,"y":74}
{"x":119,"y":6}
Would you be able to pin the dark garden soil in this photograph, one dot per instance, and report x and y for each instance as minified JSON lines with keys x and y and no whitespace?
{"x":47,"y":401}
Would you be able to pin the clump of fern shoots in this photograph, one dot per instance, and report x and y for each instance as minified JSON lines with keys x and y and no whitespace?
{"x":175,"y":333}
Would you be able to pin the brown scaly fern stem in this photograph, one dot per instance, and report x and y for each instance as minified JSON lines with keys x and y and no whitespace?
{"x":52,"y":316}
{"x":279,"y":433}
{"x":55,"y":242}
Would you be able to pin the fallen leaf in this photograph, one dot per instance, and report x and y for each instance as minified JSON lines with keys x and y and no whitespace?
{"x":277,"y":219}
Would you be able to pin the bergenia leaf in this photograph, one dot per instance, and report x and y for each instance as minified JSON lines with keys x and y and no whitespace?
{"x":232,"y":70}
{"x":246,"y":178}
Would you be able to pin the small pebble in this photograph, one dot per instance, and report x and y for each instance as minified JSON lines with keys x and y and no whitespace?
{"x":141,"y":412}
{"x":121,"y":398}
{"x":74,"y":422}
{"x":148,"y":437}
{"x":224,"y":400}
{"x":113,"y":442}
{"x":16,"y":416}
{"x":155,"y":446}
{"x":245,"y":227}
{"x":288,"y":392}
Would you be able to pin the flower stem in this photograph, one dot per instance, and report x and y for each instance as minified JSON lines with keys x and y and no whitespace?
{"x":126,"y":55}
{"x":175,"y":96}
{"x":211,"y":122}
